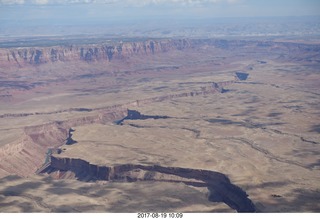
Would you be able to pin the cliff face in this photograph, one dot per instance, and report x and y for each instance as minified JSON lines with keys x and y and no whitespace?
{"x":27,"y":154}
{"x":34,"y":56}
{"x":24,"y":156}
{"x":219,"y":186}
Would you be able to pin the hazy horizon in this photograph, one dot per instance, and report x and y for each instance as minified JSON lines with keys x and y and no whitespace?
{"x":115,"y":17}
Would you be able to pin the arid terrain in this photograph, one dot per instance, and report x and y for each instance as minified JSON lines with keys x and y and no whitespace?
{"x":160,"y":125}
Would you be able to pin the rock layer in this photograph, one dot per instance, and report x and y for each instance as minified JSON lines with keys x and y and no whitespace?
{"x":89,"y":53}
{"x":33,"y":56}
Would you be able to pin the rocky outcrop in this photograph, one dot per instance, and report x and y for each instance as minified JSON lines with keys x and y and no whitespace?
{"x":29,"y":56}
{"x":218,"y":184}
{"x":89,"y":53}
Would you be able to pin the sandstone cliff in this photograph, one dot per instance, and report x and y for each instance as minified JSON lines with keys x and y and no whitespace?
{"x":106,"y":52}
{"x":103,"y":52}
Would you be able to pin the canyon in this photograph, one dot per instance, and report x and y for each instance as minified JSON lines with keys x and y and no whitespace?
{"x":219,"y":119}
{"x":218,"y":184}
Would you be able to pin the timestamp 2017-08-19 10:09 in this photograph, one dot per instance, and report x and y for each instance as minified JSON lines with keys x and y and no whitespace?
{"x":160,"y":215}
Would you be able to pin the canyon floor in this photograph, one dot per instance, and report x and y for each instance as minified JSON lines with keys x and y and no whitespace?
{"x":262,"y":133}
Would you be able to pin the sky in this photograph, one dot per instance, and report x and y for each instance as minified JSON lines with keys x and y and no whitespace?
{"x":104,"y":9}
{"x":86,"y":12}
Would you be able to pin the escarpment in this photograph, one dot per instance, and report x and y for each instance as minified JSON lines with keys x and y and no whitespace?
{"x":219,"y":186}
{"x":109,"y":51}
{"x":89,"y":53}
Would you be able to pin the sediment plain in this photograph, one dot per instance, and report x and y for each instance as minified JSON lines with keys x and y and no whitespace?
{"x":199,"y":139}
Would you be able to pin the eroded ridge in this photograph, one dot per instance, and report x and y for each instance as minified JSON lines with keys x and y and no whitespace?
{"x":220,"y":187}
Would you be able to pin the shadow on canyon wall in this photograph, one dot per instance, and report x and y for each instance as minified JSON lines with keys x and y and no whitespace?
{"x":135,"y":115}
{"x":219,"y":186}
{"x":315,"y":128}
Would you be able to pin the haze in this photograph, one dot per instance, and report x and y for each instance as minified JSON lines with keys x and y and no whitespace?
{"x":57,"y":17}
